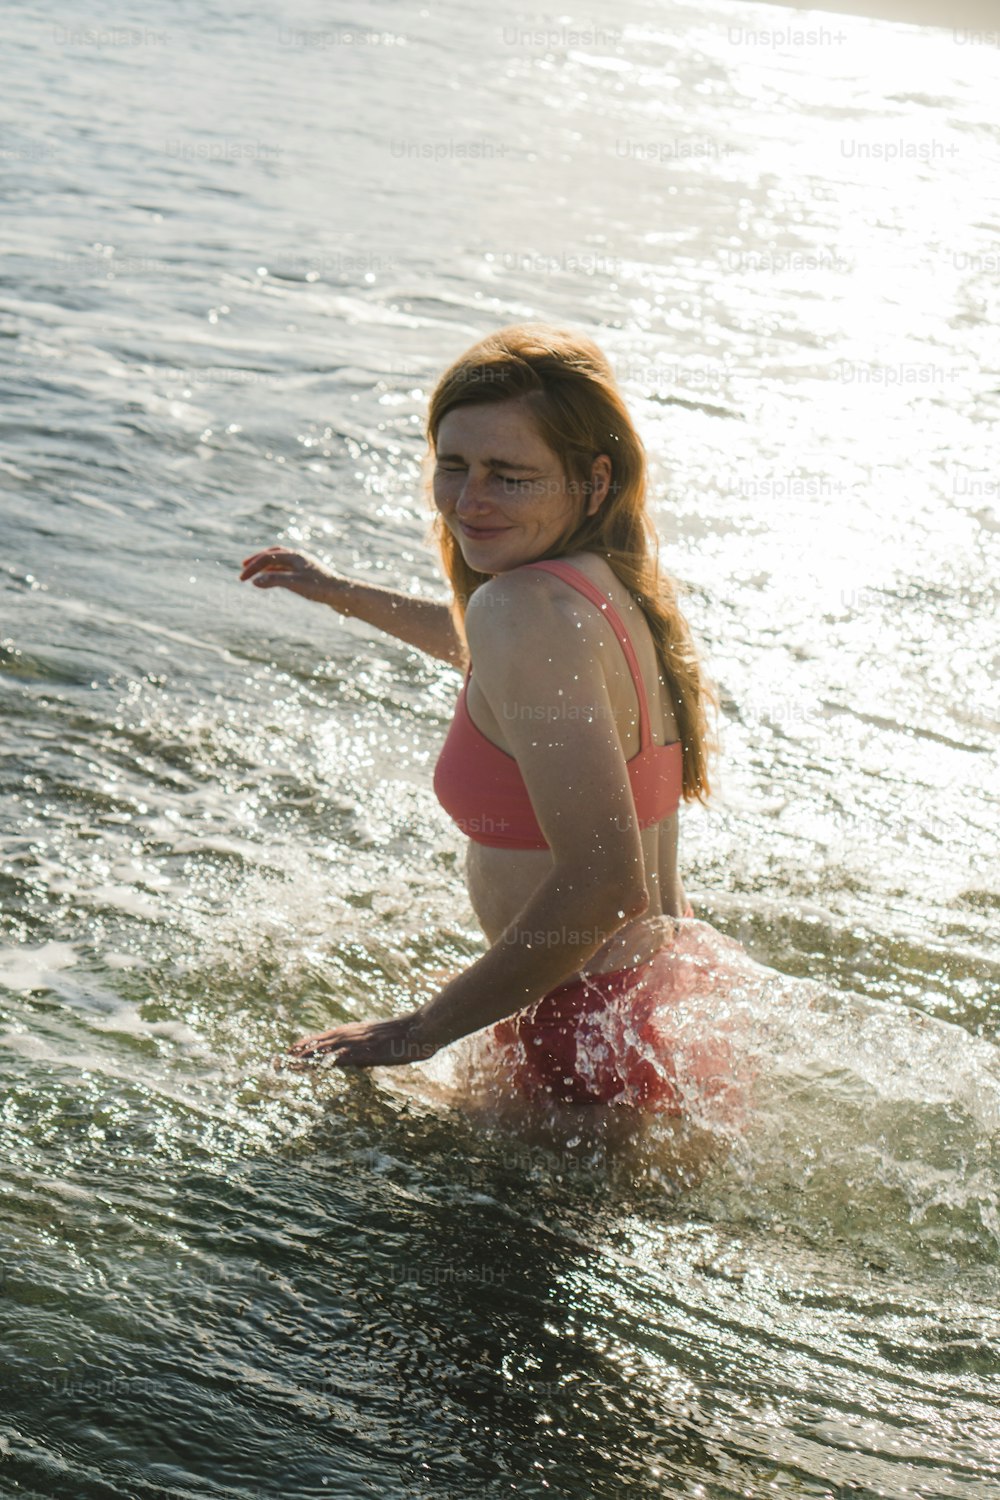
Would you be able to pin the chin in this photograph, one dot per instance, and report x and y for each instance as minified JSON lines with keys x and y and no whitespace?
{"x":487,"y":554}
{"x":485,"y":560}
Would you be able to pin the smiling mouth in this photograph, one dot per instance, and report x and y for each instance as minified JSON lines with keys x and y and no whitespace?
{"x":475,"y":531}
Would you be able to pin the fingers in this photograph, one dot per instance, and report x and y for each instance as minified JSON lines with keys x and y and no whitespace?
{"x":310,"y":1045}
{"x":267,"y":552}
{"x":323,"y":1044}
{"x":353,"y":1054}
{"x":284,"y":1064}
{"x":296,"y":1060}
{"x":273,"y":560}
{"x":303,"y":1062}
{"x":343,"y":1047}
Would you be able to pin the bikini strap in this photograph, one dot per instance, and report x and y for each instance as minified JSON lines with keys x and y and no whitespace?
{"x":578,"y":580}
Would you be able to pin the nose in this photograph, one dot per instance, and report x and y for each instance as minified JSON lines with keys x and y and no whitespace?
{"x":472,"y":498}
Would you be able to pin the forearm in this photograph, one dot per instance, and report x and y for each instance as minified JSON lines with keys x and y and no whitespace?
{"x":561,"y":926}
{"x":419,"y":622}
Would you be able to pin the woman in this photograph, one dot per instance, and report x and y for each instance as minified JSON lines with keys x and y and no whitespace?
{"x":580,"y":726}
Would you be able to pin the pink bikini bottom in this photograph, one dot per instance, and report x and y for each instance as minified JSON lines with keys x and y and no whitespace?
{"x":595,"y":1040}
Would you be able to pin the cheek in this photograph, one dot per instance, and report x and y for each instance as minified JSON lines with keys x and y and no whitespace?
{"x":562,"y":508}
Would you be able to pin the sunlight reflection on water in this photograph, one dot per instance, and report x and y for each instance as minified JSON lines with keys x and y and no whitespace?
{"x":220,"y":833}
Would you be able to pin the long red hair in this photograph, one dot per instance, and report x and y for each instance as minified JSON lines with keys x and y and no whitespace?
{"x":570,"y":390}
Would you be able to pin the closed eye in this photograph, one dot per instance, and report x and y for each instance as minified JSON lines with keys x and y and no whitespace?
{"x":506,"y":478}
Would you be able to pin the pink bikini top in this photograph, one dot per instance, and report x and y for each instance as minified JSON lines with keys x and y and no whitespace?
{"x":480,"y":786}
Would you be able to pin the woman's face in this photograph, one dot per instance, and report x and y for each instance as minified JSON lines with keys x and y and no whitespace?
{"x":500,"y":488}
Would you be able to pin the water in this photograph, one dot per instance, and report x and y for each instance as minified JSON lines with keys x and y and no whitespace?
{"x":239,"y":252}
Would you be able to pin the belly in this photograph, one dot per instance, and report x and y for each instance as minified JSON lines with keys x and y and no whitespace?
{"x":500,"y":881}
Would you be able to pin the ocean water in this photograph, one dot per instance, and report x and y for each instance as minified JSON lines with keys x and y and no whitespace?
{"x":239,"y":247}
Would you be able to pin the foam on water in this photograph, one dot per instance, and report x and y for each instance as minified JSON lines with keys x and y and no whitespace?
{"x":810,"y":1106}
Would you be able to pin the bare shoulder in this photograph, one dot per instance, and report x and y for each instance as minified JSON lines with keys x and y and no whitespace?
{"x":510,"y":592}
{"x":525,"y":633}
{"x":520,"y":603}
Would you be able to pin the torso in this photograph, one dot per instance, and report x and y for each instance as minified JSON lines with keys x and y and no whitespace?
{"x":500,"y":881}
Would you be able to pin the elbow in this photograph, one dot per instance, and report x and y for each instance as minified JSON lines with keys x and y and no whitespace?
{"x":635,"y":903}
{"x":628,"y":892}
{"x":614,"y":897}
{"x":623,"y":902}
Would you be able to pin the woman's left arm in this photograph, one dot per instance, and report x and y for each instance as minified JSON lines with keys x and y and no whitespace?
{"x":537,"y":660}
{"x":562,"y":925}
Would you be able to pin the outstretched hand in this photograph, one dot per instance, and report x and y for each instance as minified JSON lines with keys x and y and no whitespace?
{"x":277,"y":567}
{"x":363,"y":1044}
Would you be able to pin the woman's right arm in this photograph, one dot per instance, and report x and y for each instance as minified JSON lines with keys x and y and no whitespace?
{"x":419,"y":622}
